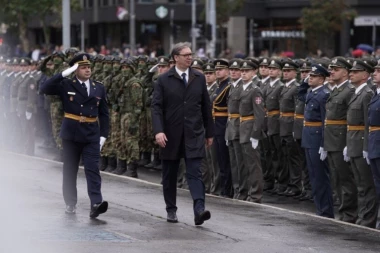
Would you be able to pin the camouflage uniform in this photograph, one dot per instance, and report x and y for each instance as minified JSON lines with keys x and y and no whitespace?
{"x":98,"y":67}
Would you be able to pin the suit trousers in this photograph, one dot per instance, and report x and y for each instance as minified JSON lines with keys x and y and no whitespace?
{"x":194,"y":180}
{"x":320,"y":183}
{"x":254,"y":177}
{"x":72,"y":152}
{"x":206,"y":174}
{"x":368,"y":204}
{"x":344,"y":182}
{"x":224,"y":165}
{"x":238,"y":170}
{"x":292,"y":171}
{"x":275,"y":171}
{"x":375,"y":167}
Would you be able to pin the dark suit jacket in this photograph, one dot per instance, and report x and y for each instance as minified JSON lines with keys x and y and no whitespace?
{"x":183,"y":114}
{"x":357,"y":115}
{"x":76,"y":101}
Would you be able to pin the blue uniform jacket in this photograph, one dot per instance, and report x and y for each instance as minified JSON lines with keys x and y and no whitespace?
{"x":315,"y":111}
{"x":374,"y":121}
{"x":76,"y":101}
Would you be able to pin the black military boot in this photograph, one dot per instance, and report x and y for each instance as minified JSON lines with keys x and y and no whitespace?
{"x":145,"y":159}
{"x":156,"y":161}
{"x":103,"y":163}
{"x":121,"y":167}
{"x":132,"y":170}
{"x":111,"y":166}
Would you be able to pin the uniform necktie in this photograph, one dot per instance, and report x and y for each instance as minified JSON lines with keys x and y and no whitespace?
{"x":184,"y":79}
{"x":85,"y":87}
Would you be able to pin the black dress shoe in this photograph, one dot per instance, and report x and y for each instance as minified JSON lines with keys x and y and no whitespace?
{"x":98,"y":209}
{"x":283,"y":192}
{"x":303,"y":193}
{"x":306,"y":197}
{"x":201,"y":217}
{"x":293,"y":193}
{"x":172,"y":217}
{"x":70,"y":209}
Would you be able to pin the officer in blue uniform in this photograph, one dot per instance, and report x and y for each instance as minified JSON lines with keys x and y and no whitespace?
{"x":83,"y":131}
{"x":312,"y":139}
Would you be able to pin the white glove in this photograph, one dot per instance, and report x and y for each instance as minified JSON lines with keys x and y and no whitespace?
{"x":28,"y":115}
{"x":70,"y":70}
{"x":307,"y":79}
{"x":365,"y":155}
{"x":226,"y":143}
{"x":323,"y":153}
{"x":153,"y":69}
{"x":345,"y":157}
{"x":254,"y":142}
{"x":102,"y":141}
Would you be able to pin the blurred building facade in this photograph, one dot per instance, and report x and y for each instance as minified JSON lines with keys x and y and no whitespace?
{"x":276,"y":25}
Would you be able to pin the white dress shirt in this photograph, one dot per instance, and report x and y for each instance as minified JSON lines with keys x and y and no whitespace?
{"x":181,"y":72}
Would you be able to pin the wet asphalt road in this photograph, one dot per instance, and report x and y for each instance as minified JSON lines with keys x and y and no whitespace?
{"x":33,"y":219}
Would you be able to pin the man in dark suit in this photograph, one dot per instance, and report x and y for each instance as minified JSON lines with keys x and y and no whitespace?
{"x":182,"y":124}
{"x":312,"y":139}
{"x":83,"y":131}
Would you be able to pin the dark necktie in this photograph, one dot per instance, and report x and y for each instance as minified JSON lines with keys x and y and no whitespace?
{"x":184,"y":79}
{"x":85,"y":87}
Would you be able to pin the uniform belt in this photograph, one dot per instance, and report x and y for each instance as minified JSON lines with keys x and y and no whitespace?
{"x":220,"y":114}
{"x":355,"y":128}
{"x":81,"y":119}
{"x":274,"y":112}
{"x":312,"y":124}
{"x":335,"y":122}
{"x":220,"y":107}
{"x":245,"y":118}
{"x":374,"y":128}
{"x":287,"y":114}
{"x":298,"y":116}
{"x":233,"y":116}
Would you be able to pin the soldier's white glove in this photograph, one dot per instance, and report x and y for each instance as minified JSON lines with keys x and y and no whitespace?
{"x":102,"y":141}
{"x":70,"y":70}
{"x":153,"y":69}
{"x":323,"y":153}
{"x":307,"y":79}
{"x":28,"y":115}
{"x":345,"y":157}
{"x":365,"y":155}
{"x":254,"y":143}
{"x":226,"y":143}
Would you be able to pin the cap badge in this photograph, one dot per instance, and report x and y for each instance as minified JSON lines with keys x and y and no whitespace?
{"x":273,"y":62}
{"x":195,"y":63}
{"x":244,"y":64}
{"x":265,"y":61}
{"x":304,"y":65}
{"x":378,"y":62}
{"x":162,"y":60}
{"x":354,"y":64}
{"x":235,"y":63}
{"x":287,"y":65}
{"x":84,"y":58}
{"x":218,"y":63}
{"x":208,"y":67}
{"x":335,"y":61}
{"x":314,"y":69}
{"x":22,"y":61}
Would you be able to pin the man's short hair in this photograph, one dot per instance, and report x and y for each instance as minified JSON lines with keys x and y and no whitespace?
{"x":177,"y":48}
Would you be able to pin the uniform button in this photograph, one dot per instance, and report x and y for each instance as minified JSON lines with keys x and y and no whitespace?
{"x":81,"y":105}
{"x":185,"y":117}
{"x":184,"y":102}
{"x":80,"y":114}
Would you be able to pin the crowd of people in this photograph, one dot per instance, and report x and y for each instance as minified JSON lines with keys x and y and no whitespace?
{"x":300,"y":128}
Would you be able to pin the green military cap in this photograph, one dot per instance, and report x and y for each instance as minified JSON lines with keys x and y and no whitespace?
{"x":221,"y":63}
{"x":59,"y":54}
{"x":358,"y":65}
{"x":15,"y":61}
{"x":208,"y":67}
{"x":163,"y":61}
{"x":234,"y":63}
{"x":305,"y":65}
{"x":370,"y":60}
{"x":116,"y":59}
{"x":264,"y":61}
{"x":144,"y":58}
{"x":108,"y":58}
{"x":340,"y":62}
{"x":171,"y":60}
{"x":72,"y":50}
{"x":289,"y":64}
{"x":152,"y":61}
{"x":275,"y":63}
{"x":254,"y":60}
{"x":247,"y":64}
{"x":99,"y":58}
{"x":205,"y":59}
{"x":377,"y":65}
{"x":2,"y":59}
{"x":197,"y":64}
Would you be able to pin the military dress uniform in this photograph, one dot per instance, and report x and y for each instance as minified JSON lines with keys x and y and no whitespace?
{"x":252,"y":116}
{"x":374,"y":137}
{"x":292,"y":171}
{"x":312,"y":141}
{"x":220,"y":115}
{"x":238,"y":172}
{"x":85,"y":121}
{"x":357,"y":147}
{"x":272,"y":103}
{"x":335,"y":134}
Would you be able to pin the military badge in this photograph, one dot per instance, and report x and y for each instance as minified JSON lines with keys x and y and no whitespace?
{"x":286,"y":64}
{"x":208,"y":66}
{"x":235,"y":63}
{"x":162,"y":60}
{"x":195,"y":63}
{"x":273,"y":62}
{"x":258,"y":100}
{"x":335,"y":61}
{"x":354,"y":64}
{"x":304,"y":65}
{"x":314,"y":69}
{"x":218,"y":63}
{"x":244,"y":64}
{"x":265,"y":61}
{"x":84,"y":57}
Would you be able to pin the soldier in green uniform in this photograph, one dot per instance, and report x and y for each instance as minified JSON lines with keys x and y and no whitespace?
{"x":130,"y":104}
{"x":98,"y":67}
{"x":198,"y":65}
{"x":272,"y":102}
{"x":292,"y":171}
{"x":335,"y":133}
{"x":357,"y":144}
{"x":252,"y":115}
{"x":238,"y":171}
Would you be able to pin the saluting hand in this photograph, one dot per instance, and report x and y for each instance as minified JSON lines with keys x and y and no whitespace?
{"x":161,"y":139}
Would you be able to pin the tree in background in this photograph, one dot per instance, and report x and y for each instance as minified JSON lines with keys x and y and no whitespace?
{"x":322,"y":20}
{"x":17,"y":13}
